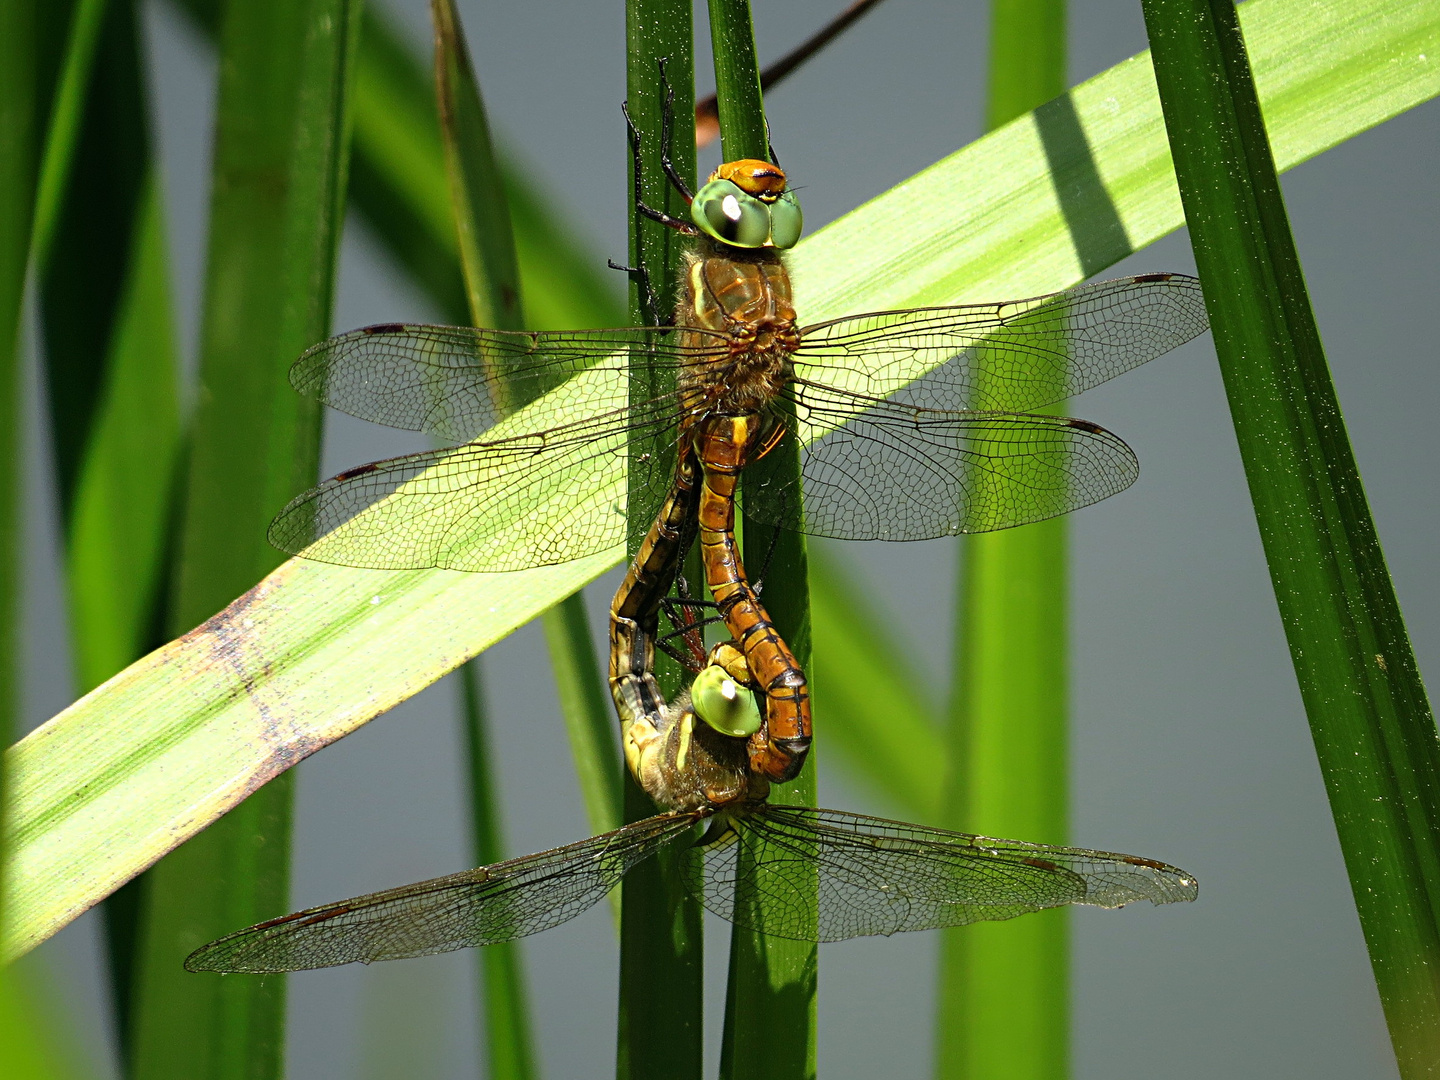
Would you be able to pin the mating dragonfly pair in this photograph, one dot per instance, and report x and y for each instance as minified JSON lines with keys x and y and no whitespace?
{"x":899,"y":424}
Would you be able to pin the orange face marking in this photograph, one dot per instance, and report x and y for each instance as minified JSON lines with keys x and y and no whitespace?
{"x":754,"y":177}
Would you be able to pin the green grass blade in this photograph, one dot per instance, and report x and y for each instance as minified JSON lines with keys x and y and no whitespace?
{"x":314,"y":651}
{"x":276,"y":209}
{"x":1002,"y":1006}
{"x":30,"y":1043}
{"x":398,"y":174}
{"x":661,"y":932}
{"x":479,"y":210}
{"x":1369,"y":715}
{"x":878,"y":713}
{"x":20,"y":103}
{"x":398,"y":185}
{"x":496,"y":298}
{"x":492,"y":289}
{"x":110,"y":358}
{"x":509,"y":1044}
{"x":66,"y":116}
{"x":769,"y":977}
{"x":1027,"y":58}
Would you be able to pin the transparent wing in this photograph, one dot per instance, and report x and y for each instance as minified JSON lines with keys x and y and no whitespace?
{"x":458,"y":381}
{"x":1015,"y":356}
{"x":899,"y":472}
{"x":478,"y":907}
{"x":507,"y":504}
{"x":872,"y":876}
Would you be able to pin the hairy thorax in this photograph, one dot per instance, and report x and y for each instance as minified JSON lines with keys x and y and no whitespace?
{"x":744,"y":295}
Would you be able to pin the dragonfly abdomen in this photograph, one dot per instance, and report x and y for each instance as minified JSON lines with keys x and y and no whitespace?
{"x":724,"y":445}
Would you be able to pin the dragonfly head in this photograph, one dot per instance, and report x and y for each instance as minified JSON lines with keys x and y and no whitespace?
{"x":746,"y":204}
{"x":723,"y":694}
{"x":692,"y":754}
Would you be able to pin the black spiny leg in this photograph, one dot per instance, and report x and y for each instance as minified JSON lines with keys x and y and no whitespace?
{"x":667,"y":117}
{"x":682,"y":611}
{"x":678,"y":224}
{"x":648,"y":296}
{"x":759,"y":584}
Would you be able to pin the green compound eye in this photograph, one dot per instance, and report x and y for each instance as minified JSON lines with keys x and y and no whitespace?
{"x":786,"y":221}
{"x":725,"y":212}
{"x":724,"y":704}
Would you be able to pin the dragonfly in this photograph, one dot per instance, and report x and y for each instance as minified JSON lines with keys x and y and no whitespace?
{"x":743,"y":858}
{"x":900,"y":418}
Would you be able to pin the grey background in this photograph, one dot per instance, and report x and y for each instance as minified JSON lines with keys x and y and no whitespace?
{"x":1189,"y":743}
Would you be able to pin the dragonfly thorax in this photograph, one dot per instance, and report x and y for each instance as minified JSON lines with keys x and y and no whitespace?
{"x":744,"y":296}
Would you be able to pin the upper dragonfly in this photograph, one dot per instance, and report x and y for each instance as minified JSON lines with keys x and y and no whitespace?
{"x":898,"y":415}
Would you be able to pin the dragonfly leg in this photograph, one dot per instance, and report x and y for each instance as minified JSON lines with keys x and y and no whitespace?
{"x":648,"y":296}
{"x":678,"y":224}
{"x":667,"y":118}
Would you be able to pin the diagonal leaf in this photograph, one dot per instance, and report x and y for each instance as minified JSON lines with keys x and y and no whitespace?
{"x":306,"y":656}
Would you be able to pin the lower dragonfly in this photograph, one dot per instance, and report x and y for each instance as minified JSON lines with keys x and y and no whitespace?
{"x":753,"y":859}
{"x":869,"y":875}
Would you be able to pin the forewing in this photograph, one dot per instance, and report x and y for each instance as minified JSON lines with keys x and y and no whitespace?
{"x":458,"y":381}
{"x":478,"y":907}
{"x":1015,"y":356}
{"x":888,"y":471}
{"x":865,"y":875}
{"x":496,"y":505}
